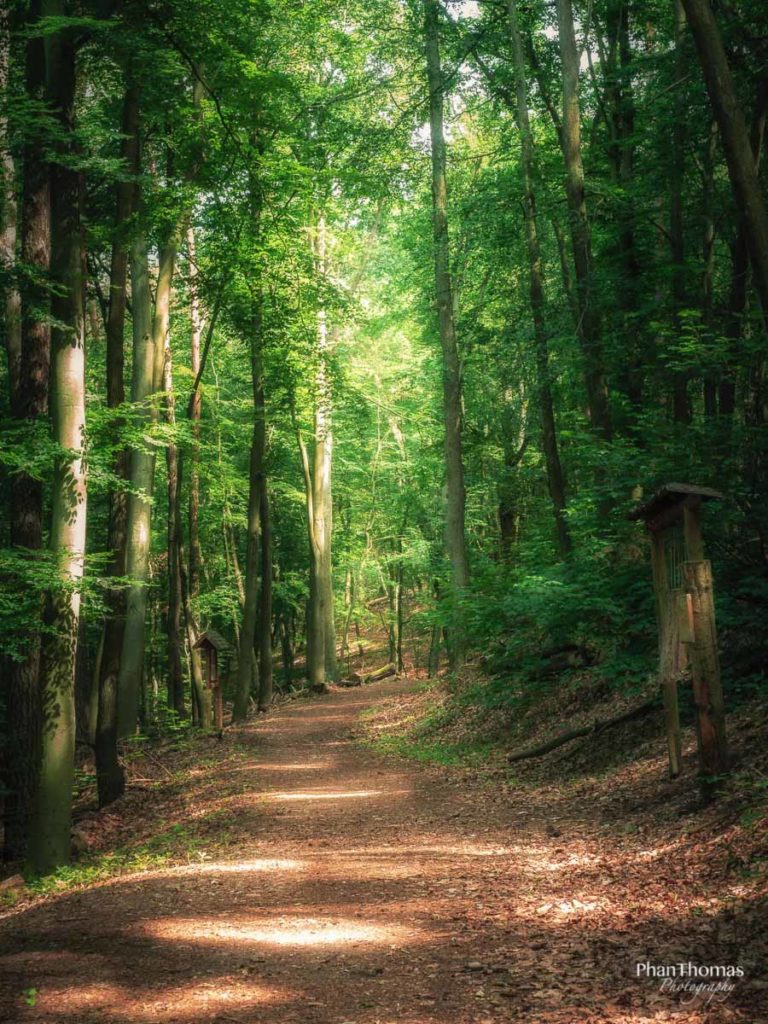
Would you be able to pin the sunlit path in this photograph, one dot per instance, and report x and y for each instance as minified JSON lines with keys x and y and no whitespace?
{"x":356,"y":890}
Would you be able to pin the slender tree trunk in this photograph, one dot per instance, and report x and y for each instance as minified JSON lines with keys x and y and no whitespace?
{"x":264,"y":641}
{"x":109,"y":774}
{"x":49,"y":844}
{"x":149,"y":361}
{"x":173,"y":621}
{"x":622,"y":119}
{"x":737,"y":298}
{"x":588,"y":326}
{"x":565,"y":267}
{"x":315,"y":652}
{"x":248,"y":631}
{"x":11,"y":299}
{"x":287,"y":649}
{"x":708,"y":264}
{"x":195,"y":413}
{"x":735,"y":138}
{"x":323,"y":471}
{"x":29,"y":371}
{"x":681,"y":408}
{"x":142,"y":475}
{"x":202,"y":709}
{"x":546,"y":405}
{"x":455,"y":534}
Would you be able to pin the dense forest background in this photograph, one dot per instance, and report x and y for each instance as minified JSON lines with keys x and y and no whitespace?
{"x":322,"y":315}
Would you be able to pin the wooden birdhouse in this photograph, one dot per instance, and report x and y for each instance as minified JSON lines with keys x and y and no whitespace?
{"x":682,"y":582}
{"x":212,"y":647}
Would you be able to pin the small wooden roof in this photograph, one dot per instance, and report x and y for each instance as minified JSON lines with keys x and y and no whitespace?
{"x":666,"y":505}
{"x":210,"y":638}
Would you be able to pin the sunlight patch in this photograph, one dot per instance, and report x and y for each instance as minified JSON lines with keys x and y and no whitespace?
{"x":281,"y":931}
{"x":359,"y":794}
{"x":236,"y":867}
{"x":157,"y":1004}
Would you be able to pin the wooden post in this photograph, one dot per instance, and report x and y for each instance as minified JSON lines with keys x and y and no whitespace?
{"x":218,"y":707}
{"x":668,"y":659}
{"x":694,"y":544}
{"x":705,"y":672}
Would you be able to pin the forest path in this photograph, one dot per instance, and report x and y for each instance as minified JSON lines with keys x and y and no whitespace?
{"x":351,"y":888}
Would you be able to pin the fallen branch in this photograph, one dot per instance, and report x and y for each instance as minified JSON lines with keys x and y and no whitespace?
{"x":587,"y":730}
{"x":361,"y":678}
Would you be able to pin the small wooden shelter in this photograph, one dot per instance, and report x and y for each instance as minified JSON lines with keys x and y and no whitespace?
{"x":682,"y":581}
{"x":212,"y":645}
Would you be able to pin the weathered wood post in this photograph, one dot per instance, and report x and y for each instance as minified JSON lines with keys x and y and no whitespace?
{"x":705,"y":662}
{"x":686,"y":617}
{"x":212,"y":644}
{"x":668,"y":644}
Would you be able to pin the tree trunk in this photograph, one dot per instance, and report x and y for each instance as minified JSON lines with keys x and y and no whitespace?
{"x":315,"y":650}
{"x":708,"y":264}
{"x":11,"y":299}
{"x":264,"y":641}
{"x":549,"y":429}
{"x":735,"y":137}
{"x":322,"y":477}
{"x":455,"y":534}
{"x":49,"y":844}
{"x":109,"y":774}
{"x":681,"y":408}
{"x":622,"y":120}
{"x":173,"y":620}
{"x":588,"y":326}
{"x":195,"y":413}
{"x":27,"y":339}
{"x":142,"y":475}
{"x":737,"y":298}
{"x":248,"y":631}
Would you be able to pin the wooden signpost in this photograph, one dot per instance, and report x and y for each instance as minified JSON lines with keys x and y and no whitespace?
{"x":212,"y":644}
{"x":682,"y":582}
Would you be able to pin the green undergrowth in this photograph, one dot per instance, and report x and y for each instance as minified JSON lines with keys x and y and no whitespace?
{"x":434,"y":751}
{"x":178,"y":843}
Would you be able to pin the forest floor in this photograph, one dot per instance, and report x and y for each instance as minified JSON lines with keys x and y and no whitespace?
{"x":293,"y":873}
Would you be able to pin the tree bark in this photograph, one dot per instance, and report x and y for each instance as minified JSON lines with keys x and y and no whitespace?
{"x":323,"y":473}
{"x":681,"y":408}
{"x":737,"y":298}
{"x":142,"y":475}
{"x":248,"y":630}
{"x":29,"y":372}
{"x":555,"y":479}
{"x":739,"y":155}
{"x":588,"y":325}
{"x":455,"y":533}
{"x":315,"y":649}
{"x":173,"y":620}
{"x":49,"y":844}
{"x":264,"y":641}
{"x":11,"y":299}
{"x":195,"y":413}
{"x":109,"y":774}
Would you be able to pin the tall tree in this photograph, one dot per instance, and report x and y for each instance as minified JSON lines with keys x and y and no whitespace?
{"x":109,"y":774}
{"x":735,"y":137}
{"x":546,"y":405}
{"x":49,"y":844}
{"x":455,"y":533}
{"x":588,"y":324}
{"x":29,"y":405}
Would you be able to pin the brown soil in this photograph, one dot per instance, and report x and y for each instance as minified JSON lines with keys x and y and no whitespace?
{"x":332,"y":885}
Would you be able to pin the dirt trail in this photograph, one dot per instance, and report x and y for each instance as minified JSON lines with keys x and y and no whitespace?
{"x":356,"y":888}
